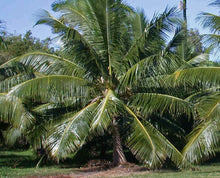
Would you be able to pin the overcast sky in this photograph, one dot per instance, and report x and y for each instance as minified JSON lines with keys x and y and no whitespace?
{"x":20,"y":15}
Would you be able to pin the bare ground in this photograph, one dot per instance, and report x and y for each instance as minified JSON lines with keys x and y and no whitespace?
{"x":100,"y":168}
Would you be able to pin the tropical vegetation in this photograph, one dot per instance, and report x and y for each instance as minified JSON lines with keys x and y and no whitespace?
{"x":140,"y":81}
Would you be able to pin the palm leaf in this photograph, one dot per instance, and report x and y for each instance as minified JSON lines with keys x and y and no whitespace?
{"x":107,"y":109}
{"x":204,"y":138}
{"x":70,"y":135}
{"x":204,"y":77}
{"x":195,"y":62}
{"x":148,"y":103}
{"x":211,"y":21}
{"x":12,"y":81}
{"x":47,"y":64}
{"x":53,"y":87}
{"x":12,"y":111}
{"x":149,"y":145}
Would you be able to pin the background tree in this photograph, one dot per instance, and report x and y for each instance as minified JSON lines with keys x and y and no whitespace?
{"x":18,"y":45}
{"x":2,"y":32}
{"x":212,"y":22}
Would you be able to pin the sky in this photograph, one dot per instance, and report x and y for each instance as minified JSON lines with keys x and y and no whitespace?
{"x":21,"y":15}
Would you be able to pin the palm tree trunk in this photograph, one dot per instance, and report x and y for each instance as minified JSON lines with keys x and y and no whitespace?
{"x":118,"y":154}
{"x":184,"y":11}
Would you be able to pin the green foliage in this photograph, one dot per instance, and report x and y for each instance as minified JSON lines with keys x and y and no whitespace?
{"x":212,"y":22}
{"x":117,"y":70}
{"x":18,"y":45}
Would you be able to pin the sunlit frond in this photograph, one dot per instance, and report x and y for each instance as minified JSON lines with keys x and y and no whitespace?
{"x":203,"y":77}
{"x":12,"y":111}
{"x":195,"y":62}
{"x":47,"y":64}
{"x":204,"y":138}
{"x":148,"y":103}
{"x":53,"y":87}
{"x":70,"y":135}
{"x":107,"y":109}
{"x":10,"y":82}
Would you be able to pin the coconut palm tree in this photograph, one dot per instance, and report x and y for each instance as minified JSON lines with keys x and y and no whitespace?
{"x":116,"y":72}
{"x":212,"y":22}
{"x":2,"y":44}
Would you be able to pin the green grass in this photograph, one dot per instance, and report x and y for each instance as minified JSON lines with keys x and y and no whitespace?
{"x":22,"y":163}
{"x":210,"y":171}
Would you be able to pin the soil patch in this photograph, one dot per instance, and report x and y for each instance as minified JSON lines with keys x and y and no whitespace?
{"x":103,"y":168}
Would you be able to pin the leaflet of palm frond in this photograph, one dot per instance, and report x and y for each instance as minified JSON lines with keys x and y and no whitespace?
{"x":47,"y":64}
{"x":13,"y":112}
{"x":215,"y":3}
{"x":110,"y":107}
{"x":10,"y":82}
{"x":148,"y":103}
{"x":69,"y":135}
{"x":195,"y":62}
{"x":204,"y":138}
{"x":212,"y":40}
{"x":151,"y":66}
{"x":210,"y":21}
{"x":52,"y":87}
{"x":73,"y":27}
{"x":204,"y":77}
{"x":149,"y":145}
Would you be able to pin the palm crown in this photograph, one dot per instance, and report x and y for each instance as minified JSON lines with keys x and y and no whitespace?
{"x":115,"y":65}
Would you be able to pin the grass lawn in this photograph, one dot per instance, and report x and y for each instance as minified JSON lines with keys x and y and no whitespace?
{"x":22,"y":163}
{"x":211,"y":170}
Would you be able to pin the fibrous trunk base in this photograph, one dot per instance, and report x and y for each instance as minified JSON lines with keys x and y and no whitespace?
{"x":118,"y":154}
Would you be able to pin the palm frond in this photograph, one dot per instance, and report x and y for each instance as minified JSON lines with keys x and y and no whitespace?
{"x":107,"y":109}
{"x":195,"y":62}
{"x":70,"y":135}
{"x":149,"y":145}
{"x":53,"y":87}
{"x":71,"y":26}
{"x":210,"y":21}
{"x":204,"y":138}
{"x":148,"y":103}
{"x":151,"y":66}
{"x":12,"y":111}
{"x":215,"y":3}
{"x":202,"y":141}
{"x":10,"y":82}
{"x":47,"y":64}
{"x":204,"y":77}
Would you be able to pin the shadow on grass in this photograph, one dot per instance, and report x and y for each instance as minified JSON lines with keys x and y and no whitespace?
{"x":27,"y":159}
{"x":19,"y":159}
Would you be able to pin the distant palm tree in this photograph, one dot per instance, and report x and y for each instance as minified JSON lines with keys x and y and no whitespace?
{"x":116,"y":72}
{"x":203,"y":141}
{"x":212,"y":22}
{"x":2,"y":44}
